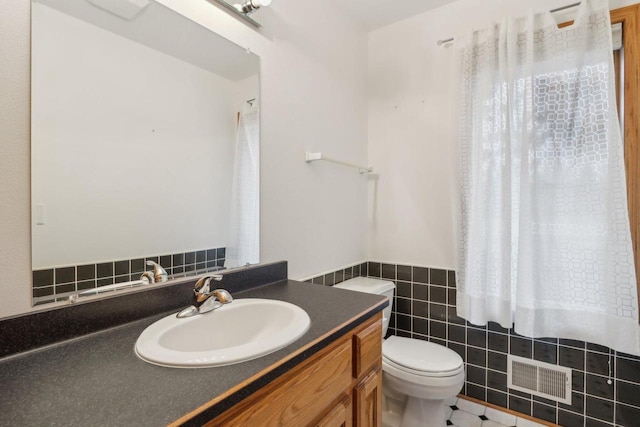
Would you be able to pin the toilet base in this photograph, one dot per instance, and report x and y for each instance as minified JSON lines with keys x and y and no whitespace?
{"x":402,"y":411}
{"x":391,"y":419}
{"x":423,"y":413}
{"x":392,"y":408}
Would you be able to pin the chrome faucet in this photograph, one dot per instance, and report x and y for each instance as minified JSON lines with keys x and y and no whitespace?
{"x":205,"y":299}
{"x":159,"y":274}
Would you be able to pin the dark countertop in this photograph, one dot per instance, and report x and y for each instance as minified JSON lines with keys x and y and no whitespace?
{"x":98,"y":380}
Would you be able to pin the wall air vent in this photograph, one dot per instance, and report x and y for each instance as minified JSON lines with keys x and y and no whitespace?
{"x":540,"y":379}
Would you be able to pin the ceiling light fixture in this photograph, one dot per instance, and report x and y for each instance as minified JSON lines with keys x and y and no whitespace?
{"x":251,"y":6}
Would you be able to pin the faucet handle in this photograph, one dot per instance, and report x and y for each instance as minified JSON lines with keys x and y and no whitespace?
{"x":222,"y":295}
{"x":213,"y":300}
{"x":202,"y":288}
{"x":148,"y":277}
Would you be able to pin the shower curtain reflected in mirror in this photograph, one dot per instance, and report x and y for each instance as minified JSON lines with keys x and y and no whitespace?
{"x":244,"y":238}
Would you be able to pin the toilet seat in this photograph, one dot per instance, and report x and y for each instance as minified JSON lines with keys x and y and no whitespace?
{"x":421,"y":358}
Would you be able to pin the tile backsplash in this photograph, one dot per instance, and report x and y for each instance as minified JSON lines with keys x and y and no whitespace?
{"x":425,"y":308}
{"x":337,"y":276}
{"x":56,"y":284}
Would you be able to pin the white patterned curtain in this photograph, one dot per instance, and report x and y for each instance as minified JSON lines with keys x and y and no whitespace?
{"x":244,"y":238}
{"x":543,"y":236}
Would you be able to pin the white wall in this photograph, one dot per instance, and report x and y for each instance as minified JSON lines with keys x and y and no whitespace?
{"x":313,"y":97}
{"x":132,"y":149}
{"x":246,"y":90}
{"x":411,"y":85}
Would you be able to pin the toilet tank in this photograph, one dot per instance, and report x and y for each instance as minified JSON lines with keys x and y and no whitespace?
{"x":373,"y":286}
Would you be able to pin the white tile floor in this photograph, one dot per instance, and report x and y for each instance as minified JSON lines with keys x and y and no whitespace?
{"x":464,"y":413}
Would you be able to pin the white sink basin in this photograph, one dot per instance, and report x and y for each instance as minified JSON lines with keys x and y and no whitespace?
{"x":236,"y":332}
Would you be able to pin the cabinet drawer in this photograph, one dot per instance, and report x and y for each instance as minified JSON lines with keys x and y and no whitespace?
{"x":300,"y":396}
{"x":367,"y":347}
{"x":339,"y":416}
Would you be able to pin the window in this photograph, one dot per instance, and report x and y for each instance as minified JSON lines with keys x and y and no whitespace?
{"x":629,"y":62}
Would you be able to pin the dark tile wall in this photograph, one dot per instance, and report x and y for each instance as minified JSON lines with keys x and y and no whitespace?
{"x":335,"y":277}
{"x":56,"y":284}
{"x":52,"y":325}
{"x":425,"y":308}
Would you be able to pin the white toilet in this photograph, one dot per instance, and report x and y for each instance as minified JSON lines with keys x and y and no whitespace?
{"x":417,"y":375}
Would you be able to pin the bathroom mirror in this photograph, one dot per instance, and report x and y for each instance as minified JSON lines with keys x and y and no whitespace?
{"x":144,"y":145}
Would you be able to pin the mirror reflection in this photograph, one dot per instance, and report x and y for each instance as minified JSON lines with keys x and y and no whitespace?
{"x":145,"y":147}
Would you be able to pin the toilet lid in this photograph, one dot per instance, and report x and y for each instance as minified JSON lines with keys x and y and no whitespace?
{"x":421,"y":356}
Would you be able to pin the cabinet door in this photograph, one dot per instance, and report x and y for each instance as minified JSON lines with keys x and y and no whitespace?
{"x":340,"y":416}
{"x":297,"y":398}
{"x":368,"y":401}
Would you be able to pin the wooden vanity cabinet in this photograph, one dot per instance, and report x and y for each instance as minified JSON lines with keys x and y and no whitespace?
{"x":341,"y":415}
{"x":368,"y":397}
{"x":340,"y":386}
